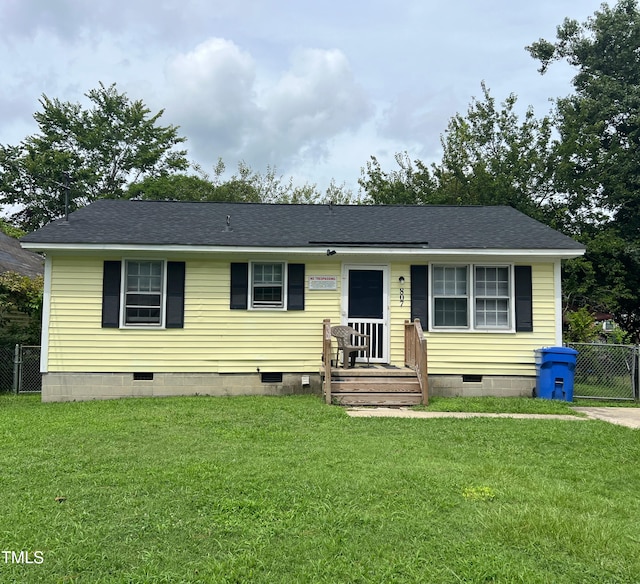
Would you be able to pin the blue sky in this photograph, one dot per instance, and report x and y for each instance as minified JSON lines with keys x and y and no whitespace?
{"x":312,"y":88}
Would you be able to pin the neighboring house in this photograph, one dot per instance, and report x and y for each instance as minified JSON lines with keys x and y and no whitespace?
{"x":172,"y":298}
{"x":21,"y":261}
{"x":15,"y":259}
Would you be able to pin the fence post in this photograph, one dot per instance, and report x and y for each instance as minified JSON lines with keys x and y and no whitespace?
{"x":636,"y":372}
{"x":16,"y":369}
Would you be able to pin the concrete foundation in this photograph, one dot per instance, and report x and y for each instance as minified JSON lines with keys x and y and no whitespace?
{"x":481,"y":386}
{"x":87,"y":386}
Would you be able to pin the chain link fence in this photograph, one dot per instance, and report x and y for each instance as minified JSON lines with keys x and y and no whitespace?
{"x":20,"y":369}
{"x":603,"y":371}
{"x":29,"y":378}
{"x":6,"y":369}
{"x":606,"y":371}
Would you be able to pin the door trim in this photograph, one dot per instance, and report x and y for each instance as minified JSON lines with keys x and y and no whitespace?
{"x":385,"y":321}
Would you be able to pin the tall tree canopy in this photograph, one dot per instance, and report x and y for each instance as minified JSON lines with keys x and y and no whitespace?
{"x":490,"y":157}
{"x":97,"y":151}
{"x":577,"y":170}
{"x":599,"y":153}
{"x":599,"y":124}
{"x":243,"y":186}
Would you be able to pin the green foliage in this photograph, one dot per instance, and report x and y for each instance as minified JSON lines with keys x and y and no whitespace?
{"x":243,"y":186}
{"x":578,"y":172}
{"x":600,"y":123}
{"x":10,"y":230}
{"x":598,"y":154}
{"x":618,"y":337}
{"x":20,"y":309}
{"x":92,"y":153}
{"x":581,"y":327}
{"x":412,"y":184}
{"x":175,"y":187}
{"x":22,"y":293}
{"x":490,"y":157}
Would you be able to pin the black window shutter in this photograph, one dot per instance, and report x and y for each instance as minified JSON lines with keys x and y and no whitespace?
{"x":524,"y":299}
{"x":420,"y":295}
{"x":239,"y":286}
{"x":295,"y":287}
{"x":175,"y":294}
{"x":111,"y":294}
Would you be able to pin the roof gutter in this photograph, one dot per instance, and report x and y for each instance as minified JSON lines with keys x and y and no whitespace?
{"x":319,"y":250}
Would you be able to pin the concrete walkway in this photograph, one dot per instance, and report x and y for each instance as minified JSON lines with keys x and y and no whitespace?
{"x":373,"y":412}
{"x":629,"y":417}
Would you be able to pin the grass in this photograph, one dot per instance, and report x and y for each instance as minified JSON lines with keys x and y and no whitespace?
{"x":617,"y":388}
{"x":507,"y":405}
{"x":286,"y":490}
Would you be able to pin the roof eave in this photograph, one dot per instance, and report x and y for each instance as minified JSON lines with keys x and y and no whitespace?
{"x":562,"y":253}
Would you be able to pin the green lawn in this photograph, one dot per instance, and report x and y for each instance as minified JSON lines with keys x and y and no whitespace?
{"x":616,"y":388}
{"x":287,"y":490}
{"x":507,"y":405}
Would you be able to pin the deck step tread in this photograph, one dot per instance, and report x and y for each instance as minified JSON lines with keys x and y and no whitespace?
{"x":377,"y":399}
{"x":384,"y":387}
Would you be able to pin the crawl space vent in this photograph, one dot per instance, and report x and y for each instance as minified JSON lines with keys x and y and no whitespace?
{"x":271,"y":377}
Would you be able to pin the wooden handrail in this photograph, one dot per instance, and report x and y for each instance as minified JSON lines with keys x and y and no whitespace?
{"x":326,"y":356}
{"x":415,"y":355}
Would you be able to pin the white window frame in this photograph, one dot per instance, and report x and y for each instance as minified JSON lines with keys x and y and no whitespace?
{"x":507,"y":297}
{"x":471,"y":299}
{"x":123,"y":295}
{"x":279,"y":306}
{"x":467,"y":297}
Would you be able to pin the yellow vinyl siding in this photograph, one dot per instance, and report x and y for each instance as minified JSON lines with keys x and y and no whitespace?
{"x":499,"y":353}
{"x":398,"y":314}
{"x":216,"y":339}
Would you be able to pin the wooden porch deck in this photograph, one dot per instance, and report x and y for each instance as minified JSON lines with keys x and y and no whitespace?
{"x":378,"y":384}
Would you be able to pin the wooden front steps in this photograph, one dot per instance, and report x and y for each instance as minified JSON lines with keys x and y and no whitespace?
{"x":378,"y":385}
{"x":375,"y":386}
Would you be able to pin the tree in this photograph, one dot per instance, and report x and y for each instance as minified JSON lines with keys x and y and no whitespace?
{"x":490,"y":157}
{"x":599,"y":152}
{"x":412,"y":184}
{"x":581,"y":327}
{"x":20,"y":295}
{"x":599,"y":124}
{"x":244,"y":186}
{"x":94,"y":152}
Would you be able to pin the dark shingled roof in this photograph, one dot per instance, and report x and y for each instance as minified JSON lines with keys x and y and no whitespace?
{"x":15,"y":259}
{"x":266,"y":225}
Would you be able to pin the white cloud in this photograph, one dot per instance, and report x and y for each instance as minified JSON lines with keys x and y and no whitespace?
{"x":316,"y":98}
{"x":308,"y":87}
{"x":226,"y":112}
{"x":212,"y":94}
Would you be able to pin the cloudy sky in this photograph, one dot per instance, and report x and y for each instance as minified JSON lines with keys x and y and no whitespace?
{"x":312,"y":88}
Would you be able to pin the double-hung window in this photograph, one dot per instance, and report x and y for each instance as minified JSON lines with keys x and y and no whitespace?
{"x":143,"y":294}
{"x":267,"y":285}
{"x":471,"y":297}
{"x":450,"y":296}
{"x":491,"y":297}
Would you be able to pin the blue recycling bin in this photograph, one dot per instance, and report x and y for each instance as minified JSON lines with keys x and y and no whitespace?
{"x":555,"y":372}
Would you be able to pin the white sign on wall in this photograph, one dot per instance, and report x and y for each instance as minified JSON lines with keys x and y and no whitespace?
{"x":323,"y":282}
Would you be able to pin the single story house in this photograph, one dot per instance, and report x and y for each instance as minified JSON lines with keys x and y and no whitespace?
{"x":177,"y":298}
